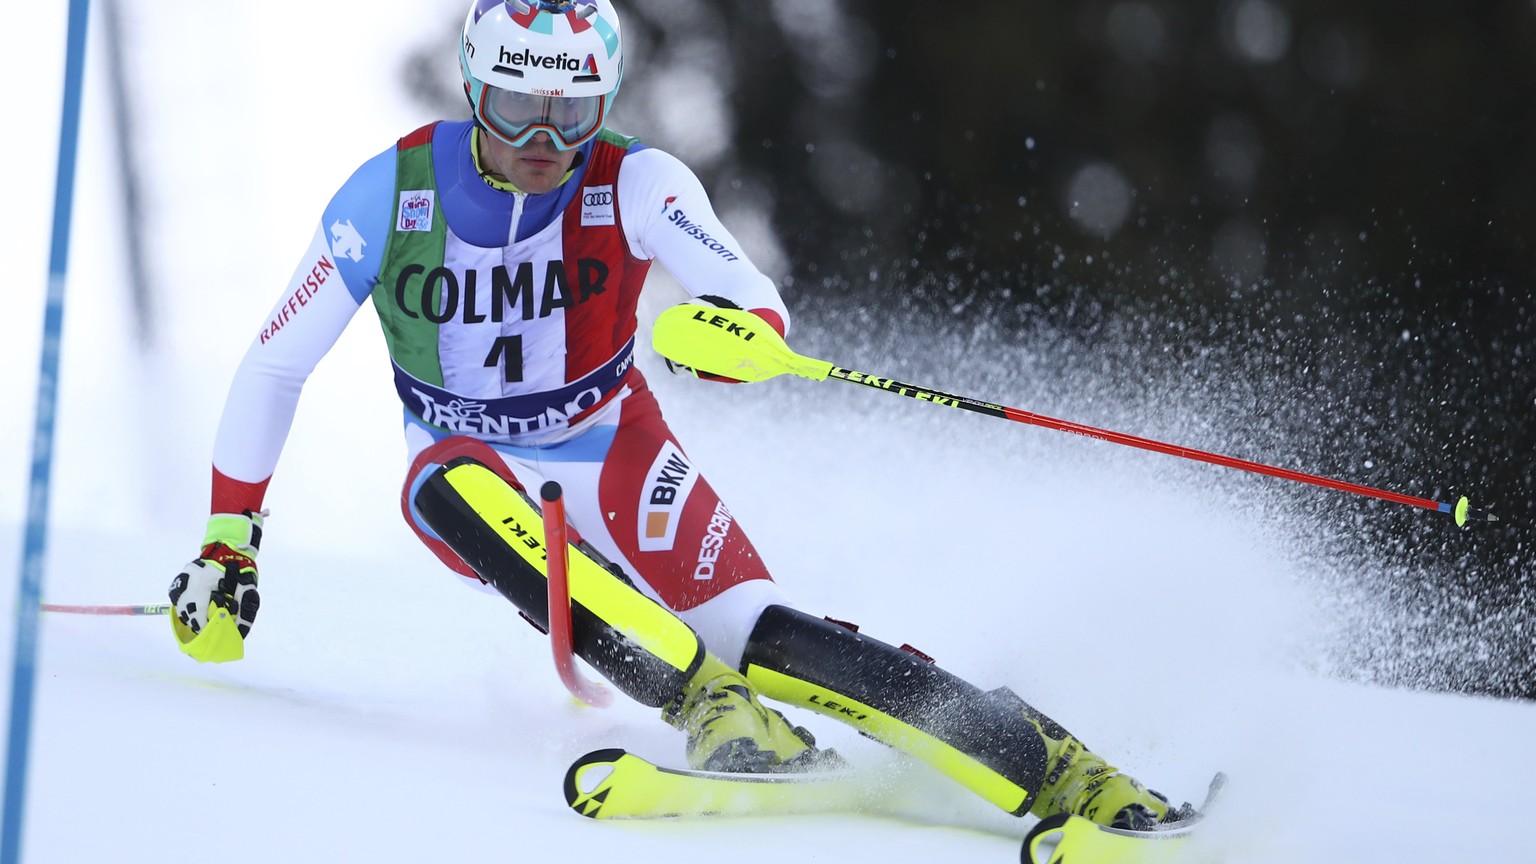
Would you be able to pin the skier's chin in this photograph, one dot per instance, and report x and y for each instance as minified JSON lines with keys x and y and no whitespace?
{"x":536,"y":174}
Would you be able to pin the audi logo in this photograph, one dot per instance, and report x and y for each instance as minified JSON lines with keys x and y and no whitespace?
{"x":597,"y":199}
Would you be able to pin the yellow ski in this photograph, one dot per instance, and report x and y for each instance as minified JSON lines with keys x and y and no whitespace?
{"x":615,"y":784}
{"x":1066,"y":839}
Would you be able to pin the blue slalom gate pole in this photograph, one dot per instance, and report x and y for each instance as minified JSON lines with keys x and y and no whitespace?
{"x":34,"y":546}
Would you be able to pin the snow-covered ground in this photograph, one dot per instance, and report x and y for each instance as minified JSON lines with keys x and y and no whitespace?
{"x":385,"y":713}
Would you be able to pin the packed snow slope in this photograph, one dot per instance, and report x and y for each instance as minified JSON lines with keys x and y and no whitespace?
{"x":386,"y":713}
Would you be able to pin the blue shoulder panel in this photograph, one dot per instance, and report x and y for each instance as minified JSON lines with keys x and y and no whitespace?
{"x":358,"y":220}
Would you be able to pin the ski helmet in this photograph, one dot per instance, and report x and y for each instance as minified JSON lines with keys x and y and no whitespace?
{"x":535,"y":66}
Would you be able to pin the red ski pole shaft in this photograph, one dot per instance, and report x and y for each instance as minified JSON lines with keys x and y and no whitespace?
{"x":1459,"y":509}
{"x":740,"y":345}
{"x":137,"y":609}
{"x":561,"y":640}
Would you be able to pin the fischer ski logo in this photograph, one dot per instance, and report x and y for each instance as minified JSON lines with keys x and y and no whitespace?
{"x":670,"y":481}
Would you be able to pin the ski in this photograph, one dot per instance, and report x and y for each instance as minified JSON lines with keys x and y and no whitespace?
{"x":617,"y":784}
{"x":1065,"y":838}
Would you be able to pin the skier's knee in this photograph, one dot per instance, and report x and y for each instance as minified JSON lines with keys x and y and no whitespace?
{"x":489,"y":522}
{"x":430,"y":459}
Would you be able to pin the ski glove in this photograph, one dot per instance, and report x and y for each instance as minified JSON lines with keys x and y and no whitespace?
{"x":214,"y":598}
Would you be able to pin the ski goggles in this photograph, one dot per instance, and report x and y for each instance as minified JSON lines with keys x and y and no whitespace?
{"x":516,"y":117}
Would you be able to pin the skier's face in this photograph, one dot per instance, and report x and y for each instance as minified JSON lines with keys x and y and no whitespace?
{"x":536,"y":167}
{"x":514,"y":116}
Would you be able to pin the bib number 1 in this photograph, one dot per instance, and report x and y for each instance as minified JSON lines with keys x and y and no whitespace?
{"x":507,"y":352}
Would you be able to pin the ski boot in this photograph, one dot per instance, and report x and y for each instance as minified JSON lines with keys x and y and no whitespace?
{"x":730,"y":730}
{"x":1080,"y":782}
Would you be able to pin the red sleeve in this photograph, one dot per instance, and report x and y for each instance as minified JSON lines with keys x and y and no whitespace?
{"x":237,"y":496}
{"x":773,"y":319}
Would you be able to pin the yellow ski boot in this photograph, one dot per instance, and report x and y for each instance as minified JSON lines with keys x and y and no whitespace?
{"x":729,"y":730}
{"x":1080,"y":782}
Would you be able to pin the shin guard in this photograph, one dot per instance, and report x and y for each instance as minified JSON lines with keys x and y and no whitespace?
{"x":642,"y":648}
{"x":983,"y":740}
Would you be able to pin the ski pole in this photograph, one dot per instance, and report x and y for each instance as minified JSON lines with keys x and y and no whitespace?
{"x":139,"y":609}
{"x":738,"y":344}
{"x":561,"y":638}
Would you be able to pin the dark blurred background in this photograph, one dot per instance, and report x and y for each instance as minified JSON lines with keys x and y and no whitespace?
{"x":1319,"y":213}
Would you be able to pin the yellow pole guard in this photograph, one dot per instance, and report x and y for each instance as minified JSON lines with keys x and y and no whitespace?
{"x":955,"y":764}
{"x":732,"y":343}
{"x":218,"y":642}
{"x":620,"y":605}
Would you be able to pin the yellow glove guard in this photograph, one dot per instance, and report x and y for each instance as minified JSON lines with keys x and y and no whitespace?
{"x":219,"y":642}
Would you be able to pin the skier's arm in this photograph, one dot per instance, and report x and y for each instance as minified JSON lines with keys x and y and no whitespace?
{"x":668,"y":217}
{"x":331,"y":281}
{"x":308,"y":318}
{"x":215,"y":597}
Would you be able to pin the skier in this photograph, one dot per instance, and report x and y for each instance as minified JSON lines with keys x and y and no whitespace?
{"x":504,"y":256}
